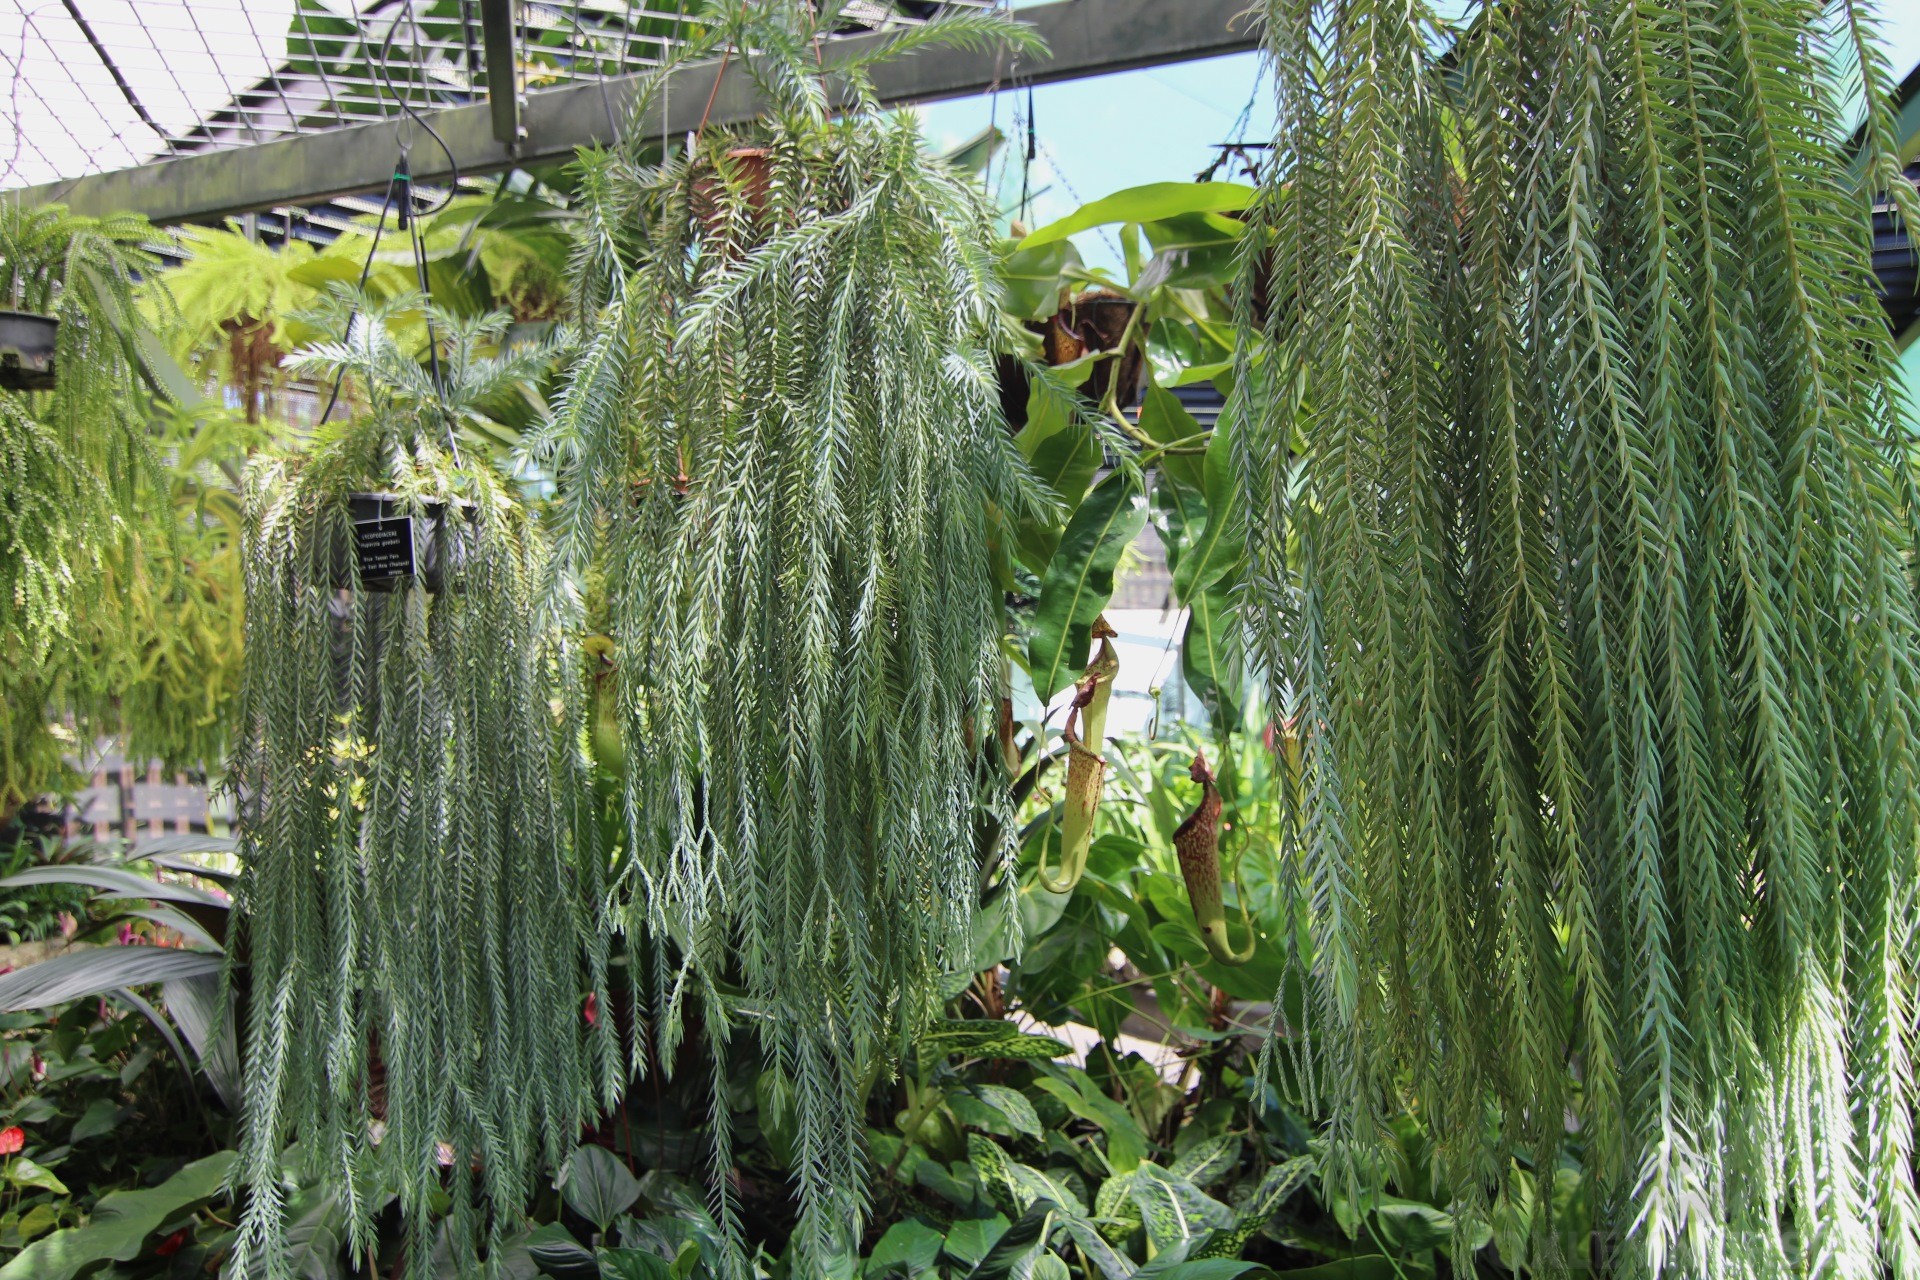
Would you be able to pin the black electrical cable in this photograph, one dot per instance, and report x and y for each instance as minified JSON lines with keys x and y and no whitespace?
{"x":1033,"y":149}
{"x":382,"y":76}
{"x":399,"y":176}
{"x":433,"y":338}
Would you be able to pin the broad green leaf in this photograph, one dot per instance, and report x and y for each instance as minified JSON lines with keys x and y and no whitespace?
{"x":1209,"y":1160}
{"x":1212,"y":658}
{"x":195,"y":1006}
{"x":114,"y":883}
{"x":1369,"y":1266}
{"x":22,"y":1172}
{"x":1059,"y":447}
{"x":1114,"y":1209}
{"x":1012,"y":1245}
{"x":909,"y":1248}
{"x":598,"y":1187}
{"x":1276,"y":1185}
{"x":1201,"y":1269}
{"x":1150,"y":203}
{"x":969,"y":1239}
{"x":1412,"y":1226}
{"x":1030,"y":277}
{"x":1112,"y":1265}
{"x":557,"y":1254}
{"x":1049,"y":1266}
{"x":1203,"y":373}
{"x":988,"y":1038}
{"x":1172,"y":349}
{"x":1174,"y":1210}
{"x":1194,"y":250}
{"x":1063,"y":453}
{"x":1214,"y":549}
{"x":325,"y":270}
{"x":121,"y":1223}
{"x":99,"y":970}
{"x":459,"y":283}
{"x":959,"y":1184}
{"x":1126,"y":1145}
{"x":1012,"y":1104}
{"x":36,"y":1222}
{"x":1166,"y":421}
{"x":1078,"y":582}
{"x":315,"y":1234}
{"x":1255,"y":980}
{"x":101,"y":1116}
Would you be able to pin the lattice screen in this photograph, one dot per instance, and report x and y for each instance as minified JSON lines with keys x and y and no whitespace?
{"x":104,"y":84}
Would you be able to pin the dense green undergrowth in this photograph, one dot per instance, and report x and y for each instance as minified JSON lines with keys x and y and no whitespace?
{"x":1155,"y":1144}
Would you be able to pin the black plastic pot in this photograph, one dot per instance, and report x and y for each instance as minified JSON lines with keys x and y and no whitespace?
{"x":26,"y":350}
{"x":1894,"y":266}
{"x":391,"y":547}
{"x":1091,"y":323}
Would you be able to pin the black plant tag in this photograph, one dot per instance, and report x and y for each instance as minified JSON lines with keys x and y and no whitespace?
{"x":384,"y":548}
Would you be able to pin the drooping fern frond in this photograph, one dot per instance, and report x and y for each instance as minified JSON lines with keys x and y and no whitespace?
{"x":783,"y":422}
{"x":1583,"y":558}
{"x":418,"y":902}
{"x":76,"y":469}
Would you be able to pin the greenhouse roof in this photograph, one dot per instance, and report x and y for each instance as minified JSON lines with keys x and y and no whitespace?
{"x":196,"y":109}
{"x":103,"y":84}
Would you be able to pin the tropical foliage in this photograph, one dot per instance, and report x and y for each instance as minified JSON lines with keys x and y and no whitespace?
{"x":698,"y":865}
{"x":1582,"y":560}
{"x":998,"y":1151}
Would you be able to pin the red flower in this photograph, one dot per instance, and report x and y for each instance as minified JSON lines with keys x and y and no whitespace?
{"x":172,"y":1244}
{"x":11,"y":1140}
{"x":592,"y":1010}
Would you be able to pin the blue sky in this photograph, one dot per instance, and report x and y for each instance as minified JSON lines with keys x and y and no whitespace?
{"x":1097,"y":136}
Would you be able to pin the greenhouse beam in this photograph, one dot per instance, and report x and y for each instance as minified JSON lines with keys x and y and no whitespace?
{"x":1085,"y":38}
{"x":503,"y":81}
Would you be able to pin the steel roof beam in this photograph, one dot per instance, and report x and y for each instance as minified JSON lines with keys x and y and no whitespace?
{"x":1084,"y":38}
{"x":503,"y":80}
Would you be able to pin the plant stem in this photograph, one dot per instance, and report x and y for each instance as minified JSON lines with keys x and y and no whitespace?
{"x":915,"y":1118}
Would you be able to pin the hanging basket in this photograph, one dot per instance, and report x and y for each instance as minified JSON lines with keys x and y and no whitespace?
{"x":391,"y":547}
{"x":26,"y":350}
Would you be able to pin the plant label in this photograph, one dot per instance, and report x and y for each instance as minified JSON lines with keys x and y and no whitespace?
{"x":384,"y":548}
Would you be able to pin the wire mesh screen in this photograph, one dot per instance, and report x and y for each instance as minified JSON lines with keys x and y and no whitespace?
{"x":105,"y":84}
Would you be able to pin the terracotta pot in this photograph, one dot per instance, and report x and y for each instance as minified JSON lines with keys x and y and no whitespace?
{"x":753,"y":167}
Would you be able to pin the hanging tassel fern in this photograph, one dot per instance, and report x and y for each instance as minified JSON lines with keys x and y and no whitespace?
{"x":1582,"y":556}
{"x":76,"y":472}
{"x":418,"y":939}
{"x":784,"y":417}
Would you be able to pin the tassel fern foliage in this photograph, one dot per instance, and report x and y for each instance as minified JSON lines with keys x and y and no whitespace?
{"x":76,"y":467}
{"x":1583,"y":555}
{"x":782,"y":434}
{"x":419,"y":931}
